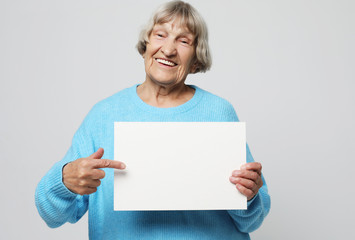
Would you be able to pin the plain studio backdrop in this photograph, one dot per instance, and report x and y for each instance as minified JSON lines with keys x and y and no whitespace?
{"x":286,"y":66}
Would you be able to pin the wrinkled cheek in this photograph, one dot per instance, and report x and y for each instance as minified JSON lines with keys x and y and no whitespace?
{"x":148,"y":66}
{"x":180,"y":74}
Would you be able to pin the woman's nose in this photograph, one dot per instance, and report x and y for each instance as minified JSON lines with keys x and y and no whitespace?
{"x":169,"y":48}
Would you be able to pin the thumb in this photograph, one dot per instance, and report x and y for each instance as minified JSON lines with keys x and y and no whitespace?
{"x":98,"y":154}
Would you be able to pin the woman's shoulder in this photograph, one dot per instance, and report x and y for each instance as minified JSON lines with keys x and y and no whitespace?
{"x":216,"y":105}
{"x":121,"y":97}
{"x":108,"y":105}
{"x":213,"y":99}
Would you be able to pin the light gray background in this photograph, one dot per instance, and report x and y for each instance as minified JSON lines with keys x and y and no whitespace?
{"x":286,"y":66}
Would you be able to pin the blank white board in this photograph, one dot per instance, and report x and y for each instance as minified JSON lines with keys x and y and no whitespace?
{"x":178,"y":165}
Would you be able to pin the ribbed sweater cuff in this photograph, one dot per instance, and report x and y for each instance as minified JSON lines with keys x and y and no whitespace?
{"x":55,"y":179}
{"x":252,"y":200}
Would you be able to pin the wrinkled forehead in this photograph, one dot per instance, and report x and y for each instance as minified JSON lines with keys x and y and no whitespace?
{"x":177,"y":21}
{"x":175,"y":26}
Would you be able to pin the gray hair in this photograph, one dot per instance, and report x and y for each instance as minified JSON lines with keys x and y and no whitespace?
{"x":189,"y":17}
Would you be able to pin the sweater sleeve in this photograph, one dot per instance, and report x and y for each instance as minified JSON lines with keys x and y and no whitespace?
{"x":259,"y":206}
{"x":55,"y":203}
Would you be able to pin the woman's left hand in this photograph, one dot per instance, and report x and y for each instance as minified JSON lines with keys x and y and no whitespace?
{"x":248,"y":179}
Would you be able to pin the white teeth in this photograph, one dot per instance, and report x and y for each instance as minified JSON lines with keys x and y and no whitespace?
{"x":165,"y":62}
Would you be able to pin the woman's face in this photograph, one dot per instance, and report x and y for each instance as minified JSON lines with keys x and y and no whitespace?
{"x":169,"y":54}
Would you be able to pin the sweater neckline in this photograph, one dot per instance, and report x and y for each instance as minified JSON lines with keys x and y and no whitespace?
{"x":172,"y":110}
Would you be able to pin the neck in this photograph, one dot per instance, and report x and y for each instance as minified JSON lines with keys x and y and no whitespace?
{"x":164,"y":96}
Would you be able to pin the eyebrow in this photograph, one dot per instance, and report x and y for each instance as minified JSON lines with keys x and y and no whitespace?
{"x":188,"y":34}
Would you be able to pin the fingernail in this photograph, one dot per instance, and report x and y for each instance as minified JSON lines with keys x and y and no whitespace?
{"x":123,"y":166}
{"x":236,"y":173}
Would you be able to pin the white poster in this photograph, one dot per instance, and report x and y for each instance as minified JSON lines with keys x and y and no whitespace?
{"x":178,"y":165}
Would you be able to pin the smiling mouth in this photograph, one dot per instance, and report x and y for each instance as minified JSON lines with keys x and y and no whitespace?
{"x":165,"y":62}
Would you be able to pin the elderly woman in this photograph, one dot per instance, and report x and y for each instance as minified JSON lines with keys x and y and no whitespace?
{"x":173,"y":44}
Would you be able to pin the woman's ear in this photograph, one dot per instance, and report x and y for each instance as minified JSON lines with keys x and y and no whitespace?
{"x":194,"y":68}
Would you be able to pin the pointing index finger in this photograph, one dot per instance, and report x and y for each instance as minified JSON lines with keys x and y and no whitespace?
{"x":107,"y":163}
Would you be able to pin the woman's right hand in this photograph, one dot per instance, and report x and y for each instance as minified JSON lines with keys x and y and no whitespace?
{"x":83,"y":175}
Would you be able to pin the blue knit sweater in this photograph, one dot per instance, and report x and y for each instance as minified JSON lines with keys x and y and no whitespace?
{"x":57,"y":205}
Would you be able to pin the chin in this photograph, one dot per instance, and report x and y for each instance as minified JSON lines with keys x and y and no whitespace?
{"x":164,"y":82}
